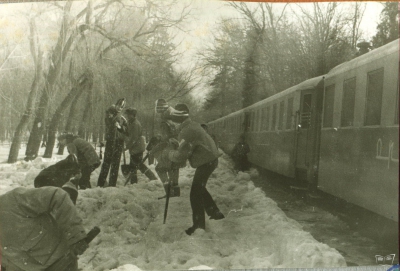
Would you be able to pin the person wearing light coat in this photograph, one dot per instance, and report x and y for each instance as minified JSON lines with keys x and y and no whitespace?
{"x":40,"y":230}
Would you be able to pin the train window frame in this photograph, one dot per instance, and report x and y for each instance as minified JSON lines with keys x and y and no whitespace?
{"x":305,"y":120}
{"x":274,"y":114}
{"x":327,"y":120}
{"x":257,"y":120}
{"x":348,"y":102}
{"x":281,"y":115}
{"x":252,"y":121}
{"x":289,"y":112}
{"x":373,"y":100}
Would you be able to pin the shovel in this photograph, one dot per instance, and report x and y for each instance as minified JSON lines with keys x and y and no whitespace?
{"x":125,"y":168}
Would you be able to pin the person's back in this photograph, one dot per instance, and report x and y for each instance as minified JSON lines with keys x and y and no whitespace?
{"x":39,"y":226}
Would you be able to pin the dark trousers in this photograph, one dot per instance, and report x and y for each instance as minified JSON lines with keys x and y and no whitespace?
{"x":200,"y":198}
{"x":135,"y":163}
{"x":112,"y":158}
{"x":86,"y":170}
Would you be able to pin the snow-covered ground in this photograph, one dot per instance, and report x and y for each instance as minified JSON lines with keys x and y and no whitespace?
{"x":255,"y":234}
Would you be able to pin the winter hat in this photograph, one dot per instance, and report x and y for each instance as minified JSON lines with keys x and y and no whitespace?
{"x":183,"y":108}
{"x":179,"y":114}
{"x":161,"y":106}
{"x":131,"y":111}
{"x":65,"y":135}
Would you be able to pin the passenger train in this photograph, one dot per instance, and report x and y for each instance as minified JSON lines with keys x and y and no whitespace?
{"x":338,"y":133}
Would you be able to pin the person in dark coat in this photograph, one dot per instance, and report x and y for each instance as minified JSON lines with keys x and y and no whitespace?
{"x":196,"y":145}
{"x":116,"y":130}
{"x":136,"y":145}
{"x":86,"y":154}
{"x":40,"y":230}
{"x":239,"y":155}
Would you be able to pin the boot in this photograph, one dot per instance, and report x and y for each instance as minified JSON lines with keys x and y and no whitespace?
{"x":133,"y":178}
{"x":217,"y":215}
{"x":174,"y":192}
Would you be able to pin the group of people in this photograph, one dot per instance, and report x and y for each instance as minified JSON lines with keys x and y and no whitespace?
{"x":122,"y":134}
{"x":40,"y":227}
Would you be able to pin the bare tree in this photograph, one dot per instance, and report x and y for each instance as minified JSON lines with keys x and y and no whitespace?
{"x":37,"y":56}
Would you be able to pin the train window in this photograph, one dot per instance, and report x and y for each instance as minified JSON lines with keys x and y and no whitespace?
{"x":328,"y":105}
{"x":252,"y":119}
{"x":256,"y":120}
{"x":306,"y":111}
{"x":274,"y":108}
{"x":281,"y":114}
{"x":263,"y":119}
{"x":348,"y":102}
{"x":374,"y":98}
{"x":289,"y":114}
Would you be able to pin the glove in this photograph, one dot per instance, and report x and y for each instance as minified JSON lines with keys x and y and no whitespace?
{"x":118,"y":125}
{"x":79,"y":247}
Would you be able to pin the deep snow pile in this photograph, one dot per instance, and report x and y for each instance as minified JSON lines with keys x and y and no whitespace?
{"x":254,"y":234}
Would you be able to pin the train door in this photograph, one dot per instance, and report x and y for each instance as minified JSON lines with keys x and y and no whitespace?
{"x":307,"y":138}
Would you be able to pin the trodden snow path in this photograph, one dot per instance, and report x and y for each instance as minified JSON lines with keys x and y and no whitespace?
{"x":255,"y":233}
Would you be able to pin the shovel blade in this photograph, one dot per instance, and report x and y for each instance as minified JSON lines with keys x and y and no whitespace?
{"x":125,"y":170}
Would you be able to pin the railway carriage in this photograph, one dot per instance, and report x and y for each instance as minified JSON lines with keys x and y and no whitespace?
{"x":337,"y":133}
{"x":359,"y":156}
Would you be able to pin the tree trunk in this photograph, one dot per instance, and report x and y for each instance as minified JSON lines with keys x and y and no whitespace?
{"x":85,"y":82}
{"x":37,"y":59}
{"x":86,"y":116}
{"x":70,"y":119}
{"x":57,"y":59}
{"x":16,"y":144}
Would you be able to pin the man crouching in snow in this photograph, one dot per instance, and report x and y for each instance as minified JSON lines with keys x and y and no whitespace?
{"x":40,"y":229}
{"x":197,"y":146}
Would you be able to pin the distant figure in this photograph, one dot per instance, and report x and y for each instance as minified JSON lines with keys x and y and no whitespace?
{"x":239,"y":155}
{"x":87,"y":157}
{"x":41,"y":229}
{"x":116,"y":130}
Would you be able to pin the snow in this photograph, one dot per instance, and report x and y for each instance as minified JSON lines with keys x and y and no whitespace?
{"x":255,"y":234}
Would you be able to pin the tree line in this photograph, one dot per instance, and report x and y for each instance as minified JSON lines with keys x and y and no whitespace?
{"x":99,"y":52}
{"x":74,"y":59}
{"x":269,"y":48}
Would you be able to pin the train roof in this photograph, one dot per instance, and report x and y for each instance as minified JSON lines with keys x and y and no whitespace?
{"x":378,"y":53}
{"x":308,"y":84}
